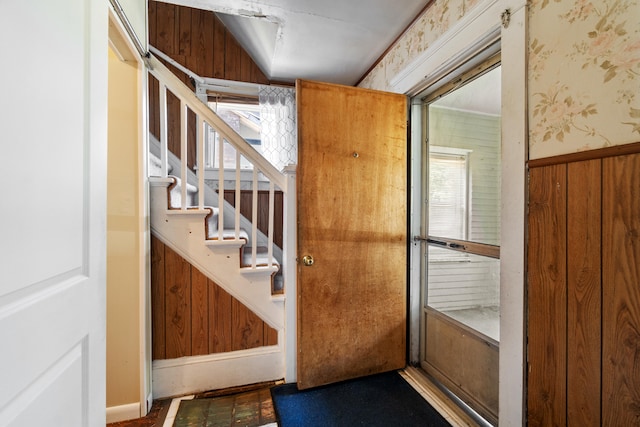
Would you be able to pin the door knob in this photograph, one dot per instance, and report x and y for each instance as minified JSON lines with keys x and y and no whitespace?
{"x":307,"y":260}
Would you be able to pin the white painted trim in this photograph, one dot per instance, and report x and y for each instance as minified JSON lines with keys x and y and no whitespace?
{"x":128,"y":52}
{"x":290,"y":266}
{"x":173,"y":410}
{"x":194,"y":374}
{"x":118,"y":413}
{"x":513,"y":214}
{"x":476,"y":29}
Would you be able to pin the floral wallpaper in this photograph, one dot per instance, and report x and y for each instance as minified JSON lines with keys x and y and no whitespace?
{"x":435,"y":21}
{"x":584,"y":75}
{"x":583,"y":72}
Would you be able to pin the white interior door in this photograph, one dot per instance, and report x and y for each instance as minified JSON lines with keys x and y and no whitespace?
{"x":52,"y":228}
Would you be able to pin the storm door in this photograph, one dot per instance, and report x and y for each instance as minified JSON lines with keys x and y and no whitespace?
{"x":461,"y":271}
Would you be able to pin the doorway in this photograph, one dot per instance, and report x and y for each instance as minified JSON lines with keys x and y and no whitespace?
{"x":460,"y":278}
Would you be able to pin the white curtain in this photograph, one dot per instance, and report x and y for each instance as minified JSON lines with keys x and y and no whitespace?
{"x":278,"y":119}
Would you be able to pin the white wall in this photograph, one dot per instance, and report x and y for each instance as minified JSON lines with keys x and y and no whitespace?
{"x":136,"y":11}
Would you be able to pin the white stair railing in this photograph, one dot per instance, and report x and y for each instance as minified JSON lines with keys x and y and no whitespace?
{"x":224,"y":134}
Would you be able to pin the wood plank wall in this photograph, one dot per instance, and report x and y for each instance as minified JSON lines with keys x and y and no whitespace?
{"x":246,"y":209}
{"x":198,"y":40}
{"x":193,"y":316}
{"x":584,"y":290}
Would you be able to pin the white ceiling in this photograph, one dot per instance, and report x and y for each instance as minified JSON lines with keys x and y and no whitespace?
{"x":334,"y":41}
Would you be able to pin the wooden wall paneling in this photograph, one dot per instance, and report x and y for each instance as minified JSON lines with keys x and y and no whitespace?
{"x":270,"y":335}
{"x":583,"y":292}
{"x":547,"y":297}
{"x":173,"y":124}
{"x":157,"y":299}
{"x":199,"y":40}
{"x":246,"y":63}
{"x":152,"y":22}
{"x":196,"y":60}
{"x":166,"y":36}
{"x":258,"y":76}
{"x":219,"y":45}
{"x":192,"y":315}
{"x":247,"y":328}
{"x":220,"y":326}
{"x":192,"y":143}
{"x":154,"y":109}
{"x":177,"y":307}
{"x":278,"y":221}
{"x":207,"y":34}
{"x":183,"y":15}
{"x":199,"y":312}
{"x":621,"y":290}
{"x":232,"y":58}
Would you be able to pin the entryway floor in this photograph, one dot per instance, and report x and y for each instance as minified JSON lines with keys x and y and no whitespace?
{"x":249,"y":409}
{"x":252,"y":408}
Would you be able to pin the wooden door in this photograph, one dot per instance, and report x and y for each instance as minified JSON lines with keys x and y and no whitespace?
{"x":352,"y":217}
{"x":52,"y":255}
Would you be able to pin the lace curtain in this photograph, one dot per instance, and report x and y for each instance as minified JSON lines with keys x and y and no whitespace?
{"x":278,"y":119}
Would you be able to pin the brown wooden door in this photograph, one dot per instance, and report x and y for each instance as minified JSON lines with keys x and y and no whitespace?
{"x":352,"y":220}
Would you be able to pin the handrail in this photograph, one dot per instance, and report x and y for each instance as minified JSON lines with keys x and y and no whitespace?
{"x":224,"y":133}
{"x":177,"y":87}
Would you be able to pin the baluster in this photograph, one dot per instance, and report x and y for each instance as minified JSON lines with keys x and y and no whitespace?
{"x":183,"y":152}
{"x":254,"y":218}
{"x":164,"y":156}
{"x":238,"y":193}
{"x":270,"y":230}
{"x":220,"y":138}
{"x":200,"y":133}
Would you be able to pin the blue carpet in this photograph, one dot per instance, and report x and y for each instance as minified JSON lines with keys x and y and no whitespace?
{"x":378,"y":400}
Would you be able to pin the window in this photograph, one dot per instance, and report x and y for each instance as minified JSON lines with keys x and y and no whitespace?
{"x":448,"y":192}
{"x":245,"y":120}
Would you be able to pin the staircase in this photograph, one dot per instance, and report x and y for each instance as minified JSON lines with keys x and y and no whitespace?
{"x":198,"y":224}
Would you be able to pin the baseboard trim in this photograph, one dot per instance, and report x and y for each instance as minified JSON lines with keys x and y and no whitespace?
{"x":119,"y":413}
{"x":189,"y":375}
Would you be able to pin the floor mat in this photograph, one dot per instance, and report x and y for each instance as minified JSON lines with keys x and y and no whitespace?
{"x":378,"y":400}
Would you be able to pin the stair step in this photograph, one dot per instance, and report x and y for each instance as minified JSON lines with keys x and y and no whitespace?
{"x":262,"y":257}
{"x":175,"y":191}
{"x":228,"y":234}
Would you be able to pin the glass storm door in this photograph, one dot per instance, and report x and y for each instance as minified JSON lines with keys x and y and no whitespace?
{"x":461,"y":272}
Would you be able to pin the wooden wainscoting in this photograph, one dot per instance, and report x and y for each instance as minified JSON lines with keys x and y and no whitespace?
{"x":583,"y":289}
{"x":194,"y":316}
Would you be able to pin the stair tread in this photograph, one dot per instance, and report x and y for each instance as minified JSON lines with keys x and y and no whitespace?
{"x":228,"y":234}
{"x":262,"y":257}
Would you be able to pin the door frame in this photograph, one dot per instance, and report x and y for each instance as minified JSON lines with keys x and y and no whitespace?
{"x":125,"y":48}
{"x":473,"y":33}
